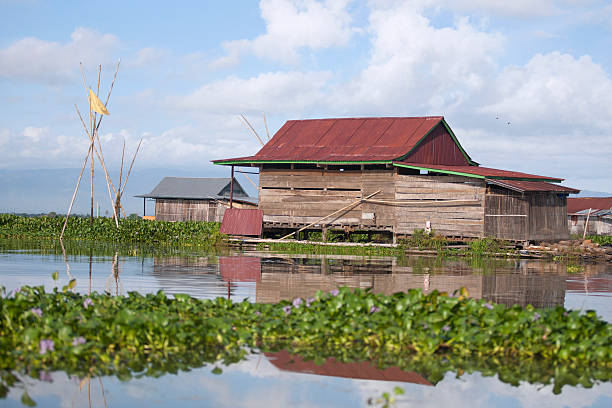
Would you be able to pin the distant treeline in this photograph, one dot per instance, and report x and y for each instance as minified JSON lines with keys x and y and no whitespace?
{"x":53,"y":214}
{"x":104,"y":229}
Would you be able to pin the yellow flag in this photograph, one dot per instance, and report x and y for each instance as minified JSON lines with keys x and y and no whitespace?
{"x":96,"y":104}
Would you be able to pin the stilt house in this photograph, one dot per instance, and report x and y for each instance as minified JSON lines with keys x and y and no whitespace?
{"x":398,"y":174}
{"x":197,"y":199}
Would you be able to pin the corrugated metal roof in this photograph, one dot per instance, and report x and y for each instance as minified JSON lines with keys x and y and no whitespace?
{"x":477,"y":171}
{"x":197,"y":188}
{"x":577,"y":204}
{"x":525,"y":186}
{"x":240,"y":221}
{"x":344,"y":140}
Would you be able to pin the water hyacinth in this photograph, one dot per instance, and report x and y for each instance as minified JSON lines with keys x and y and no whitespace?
{"x":78,"y":340}
{"x":297,"y":302}
{"x":536,"y":316}
{"x":374,"y":309}
{"x":334,"y":292}
{"x":87,"y":302}
{"x":488,"y":305}
{"x":37,"y":311}
{"x":309,"y":301}
{"x":46,"y":345}
{"x":287,"y":309}
{"x":445,"y":328}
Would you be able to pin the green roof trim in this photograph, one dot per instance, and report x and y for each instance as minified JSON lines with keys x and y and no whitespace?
{"x":478,"y":176}
{"x":452,"y":135}
{"x":239,"y":162}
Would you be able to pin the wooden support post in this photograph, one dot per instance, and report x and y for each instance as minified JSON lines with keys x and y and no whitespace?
{"x":232,"y":189}
{"x":144,"y":206}
{"x":586,"y":224}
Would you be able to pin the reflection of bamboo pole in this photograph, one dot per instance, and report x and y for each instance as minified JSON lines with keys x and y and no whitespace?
{"x":75,"y":192}
{"x":334,"y":213}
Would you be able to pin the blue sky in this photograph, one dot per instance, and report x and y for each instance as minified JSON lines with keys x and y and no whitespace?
{"x":188,"y":69}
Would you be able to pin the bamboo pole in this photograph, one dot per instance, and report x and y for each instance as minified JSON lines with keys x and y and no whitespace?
{"x":76,"y":188}
{"x":586,"y":224}
{"x":334,"y":213}
{"x":266,"y":125}
{"x":252,"y":129}
{"x":118,"y":197}
{"x":103,"y":167}
{"x":122,"y":188}
{"x":100,"y":155}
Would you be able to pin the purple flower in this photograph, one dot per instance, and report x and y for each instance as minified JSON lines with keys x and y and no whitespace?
{"x":45,"y":376}
{"x":334,"y":292}
{"x":488,"y":306}
{"x":87,"y":302}
{"x":46,"y":345}
{"x":536,"y":316}
{"x":309,"y":301}
{"x":297,"y":302}
{"x":14,"y":291}
{"x":374,"y":309}
{"x":445,"y":328}
{"x":287,"y":309}
{"x":78,"y":340}
{"x":37,"y":311}
{"x":258,"y":313}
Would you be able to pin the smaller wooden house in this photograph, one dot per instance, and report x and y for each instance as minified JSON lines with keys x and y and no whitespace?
{"x":197,"y":199}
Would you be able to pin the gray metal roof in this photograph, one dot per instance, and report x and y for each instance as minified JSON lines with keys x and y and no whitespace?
{"x":199,"y":188}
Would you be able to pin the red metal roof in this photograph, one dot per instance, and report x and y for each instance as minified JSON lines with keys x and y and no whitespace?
{"x":523,"y":186}
{"x":240,"y":221}
{"x":345,"y":140}
{"x":480,"y":172}
{"x":584,"y":203}
{"x":363,"y":370}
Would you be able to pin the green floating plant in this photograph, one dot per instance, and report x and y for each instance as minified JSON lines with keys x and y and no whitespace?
{"x":432,"y":334}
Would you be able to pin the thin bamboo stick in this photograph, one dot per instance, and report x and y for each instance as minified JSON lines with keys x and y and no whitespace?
{"x":586,"y":224}
{"x":266,"y":125}
{"x":334,"y":213}
{"x":118,"y":198}
{"x":130,"y":170}
{"x":75,"y":192}
{"x":252,"y":129}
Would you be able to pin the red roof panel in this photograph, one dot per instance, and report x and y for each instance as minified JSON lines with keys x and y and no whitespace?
{"x":584,"y":203}
{"x":524,"y":186}
{"x":240,"y":221}
{"x":483,"y":172}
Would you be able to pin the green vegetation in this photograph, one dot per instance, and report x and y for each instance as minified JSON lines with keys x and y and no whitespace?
{"x":150,"y":335}
{"x":104,"y":229}
{"x":601,"y":239}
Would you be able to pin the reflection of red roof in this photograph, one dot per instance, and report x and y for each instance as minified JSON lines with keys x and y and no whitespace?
{"x":523,"y":186}
{"x":240,"y":268}
{"x":241,"y":221}
{"x":348,"y":140}
{"x":357,"y":370}
{"x":476,"y":171}
{"x":584,"y":203}
{"x":590,"y":285}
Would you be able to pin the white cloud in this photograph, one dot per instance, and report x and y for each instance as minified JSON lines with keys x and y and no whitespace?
{"x":292,"y":25}
{"x":279,"y":92}
{"x":35,"y":133}
{"x":554,"y":88}
{"x":146,"y":57}
{"x":33,"y":59}
{"x":417,"y":68}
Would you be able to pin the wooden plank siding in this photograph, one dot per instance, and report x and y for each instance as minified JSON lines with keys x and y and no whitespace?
{"x":301,"y":196}
{"x":506,"y":215}
{"x":192,"y":210}
{"x":454,"y":205}
{"x":547,"y":217}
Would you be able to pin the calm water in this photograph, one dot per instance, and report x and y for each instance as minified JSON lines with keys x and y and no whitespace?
{"x":270,"y":380}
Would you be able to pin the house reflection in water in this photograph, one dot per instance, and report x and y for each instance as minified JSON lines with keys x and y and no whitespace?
{"x":269,"y":278}
{"x":363,"y":370}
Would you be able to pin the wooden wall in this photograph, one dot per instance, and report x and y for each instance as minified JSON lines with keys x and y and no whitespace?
{"x":506,"y":215}
{"x":453,"y":204}
{"x":530,"y":216}
{"x":192,"y":210}
{"x":302,"y":196}
{"x":547,"y":217}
